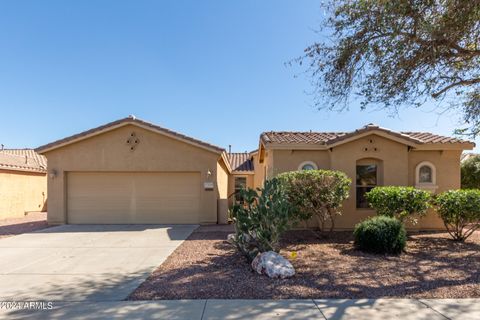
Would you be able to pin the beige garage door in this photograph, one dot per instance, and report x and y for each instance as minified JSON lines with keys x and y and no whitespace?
{"x":128,"y":198}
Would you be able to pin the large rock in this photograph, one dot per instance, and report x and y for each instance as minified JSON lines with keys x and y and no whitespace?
{"x":273,"y":265}
{"x":231,"y":238}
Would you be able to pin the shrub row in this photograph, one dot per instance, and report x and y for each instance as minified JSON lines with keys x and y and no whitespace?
{"x":264,"y":214}
{"x":459,"y":209}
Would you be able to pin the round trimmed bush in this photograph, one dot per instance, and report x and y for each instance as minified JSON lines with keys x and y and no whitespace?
{"x":380,"y":234}
{"x":399,"y":202}
{"x":460,"y":212}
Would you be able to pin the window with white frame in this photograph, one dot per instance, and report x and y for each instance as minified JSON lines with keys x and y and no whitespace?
{"x":308,"y":165}
{"x":425,"y":175}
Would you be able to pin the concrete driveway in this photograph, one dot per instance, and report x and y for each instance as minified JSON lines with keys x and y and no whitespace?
{"x":84,"y":262}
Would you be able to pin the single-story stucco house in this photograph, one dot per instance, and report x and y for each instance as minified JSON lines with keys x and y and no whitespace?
{"x":131,"y":171}
{"x":23,"y":182}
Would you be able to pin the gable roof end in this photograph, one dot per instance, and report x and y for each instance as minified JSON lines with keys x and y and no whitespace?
{"x":371,"y":128}
{"x":120,"y":123}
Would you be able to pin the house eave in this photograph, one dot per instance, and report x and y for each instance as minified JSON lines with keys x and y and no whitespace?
{"x":119,"y":124}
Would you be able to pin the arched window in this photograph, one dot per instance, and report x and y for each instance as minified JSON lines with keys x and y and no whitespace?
{"x":425,"y":175}
{"x":307,"y":165}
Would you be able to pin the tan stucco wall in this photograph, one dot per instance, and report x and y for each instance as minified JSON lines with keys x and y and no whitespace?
{"x":397,"y":165}
{"x":231,"y":185}
{"x":222,"y":187}
{"x":109,"y":152}
{"x":21,"y":192}
{"x":289,"y":160}
{"x":259,"y":172}
{"x":393,"y":156}
{"x":268,"y":165}
{"x":447,"y":164}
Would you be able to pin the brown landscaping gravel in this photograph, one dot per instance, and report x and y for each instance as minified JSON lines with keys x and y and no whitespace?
{"x":31,"y":222}
{"x":206,"y":267}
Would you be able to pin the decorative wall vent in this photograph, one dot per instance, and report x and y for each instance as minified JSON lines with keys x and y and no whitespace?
{"x":371,"y":147}
{"x":133,"y":141}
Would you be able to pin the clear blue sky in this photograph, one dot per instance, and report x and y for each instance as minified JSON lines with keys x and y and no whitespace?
{"x":214,"y":70}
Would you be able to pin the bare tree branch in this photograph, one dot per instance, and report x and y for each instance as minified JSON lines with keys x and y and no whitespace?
{"x":455,"y":84}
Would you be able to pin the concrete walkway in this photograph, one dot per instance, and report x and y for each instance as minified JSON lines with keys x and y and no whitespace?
{"x":405,"y":309}
{"x":84,"y":262}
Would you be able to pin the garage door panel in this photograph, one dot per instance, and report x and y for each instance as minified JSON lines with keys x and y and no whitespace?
{"x":133,"y":197}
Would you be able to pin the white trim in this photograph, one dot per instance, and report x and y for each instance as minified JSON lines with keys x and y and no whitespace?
{"x":304,"y":163}
{"x":430,"y":186}
{"x":242,"y":173}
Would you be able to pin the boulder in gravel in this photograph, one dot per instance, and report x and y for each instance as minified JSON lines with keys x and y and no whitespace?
{"x":273,"y":265}
{"x":231,"y":238}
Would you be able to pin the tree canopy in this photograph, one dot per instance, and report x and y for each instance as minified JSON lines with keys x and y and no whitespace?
{"x":399,"y":53}
{"x":470,"y":173}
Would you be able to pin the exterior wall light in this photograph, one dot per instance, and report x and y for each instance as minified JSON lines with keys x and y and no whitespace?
{"x":53,"y":174}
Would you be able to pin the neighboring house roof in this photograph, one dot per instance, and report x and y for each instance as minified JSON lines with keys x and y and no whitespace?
{"x":122,"y":122}
{"x":331,"y":138}
{"x":466,"y":156}
{"x":240,"y":161}
{"x":22,"y":160}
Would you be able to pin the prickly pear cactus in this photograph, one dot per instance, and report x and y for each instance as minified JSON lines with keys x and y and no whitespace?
{"x":260,"y":219}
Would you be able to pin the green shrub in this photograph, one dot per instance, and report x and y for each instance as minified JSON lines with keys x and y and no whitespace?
{"x":460,"y":212}
{"x":380,"y":234}
{"x":316,"y":193}
{"x":399,"y":202}
{"x":261,"y":217}
{"x":470,"y":172}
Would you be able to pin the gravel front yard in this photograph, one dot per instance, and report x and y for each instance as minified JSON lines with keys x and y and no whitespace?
{"x":31,"y":222}
{"x":206,"y":267}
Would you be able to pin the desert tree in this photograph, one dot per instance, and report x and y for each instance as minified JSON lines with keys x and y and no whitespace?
{"x":392,"y":54}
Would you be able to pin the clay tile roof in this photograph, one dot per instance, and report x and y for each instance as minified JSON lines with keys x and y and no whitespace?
{"x":300,"y":137}
{"x":132,"y":120}
{"x":240,"y":161}
{"x":326,"y":138}
{"x":22,"y":160}
{"x":427,"y":137}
